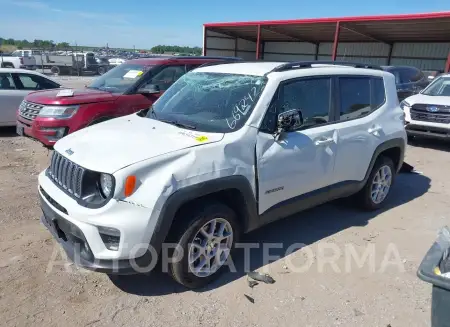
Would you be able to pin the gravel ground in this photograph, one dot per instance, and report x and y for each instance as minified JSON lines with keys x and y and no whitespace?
{"x":39,"y":288}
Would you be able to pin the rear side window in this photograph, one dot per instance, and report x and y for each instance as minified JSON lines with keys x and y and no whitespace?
{"x":378,"y":92}
{"x":359,"y":96}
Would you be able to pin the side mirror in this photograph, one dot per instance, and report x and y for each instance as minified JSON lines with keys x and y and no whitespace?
{"x":288,"y":121}
{"x":149,"y":89}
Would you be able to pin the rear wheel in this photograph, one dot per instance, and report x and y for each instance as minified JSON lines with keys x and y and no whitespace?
{"x":203,"y":245}
{"x":101,"y":70}
{"x":55,"y":70}
{"x":378,"y":186}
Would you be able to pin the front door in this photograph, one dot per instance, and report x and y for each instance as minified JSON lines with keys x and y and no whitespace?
{"x":301,"y":161}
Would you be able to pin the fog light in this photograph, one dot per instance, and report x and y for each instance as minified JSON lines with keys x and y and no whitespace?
{"x":60,"y":132}
{"x":110,"y":237}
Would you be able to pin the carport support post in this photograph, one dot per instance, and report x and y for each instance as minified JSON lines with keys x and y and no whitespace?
{"x":447,"y":65}
{"x":336,"y":41}
{"x":391,"y":46}
{"x":258,"y":42}
{"x":205,"y":31}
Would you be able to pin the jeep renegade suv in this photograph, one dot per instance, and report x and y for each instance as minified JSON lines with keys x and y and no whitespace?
{"x":226,"y":149}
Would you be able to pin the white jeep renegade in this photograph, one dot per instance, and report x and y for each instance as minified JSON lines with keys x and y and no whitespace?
{"x":226,"y":149}
{"x":427,"y":114}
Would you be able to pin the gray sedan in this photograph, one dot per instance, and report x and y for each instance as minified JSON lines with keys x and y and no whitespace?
{"x":15,"y":84}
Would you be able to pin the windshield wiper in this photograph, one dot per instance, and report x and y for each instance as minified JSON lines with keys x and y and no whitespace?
{"x":178,"y":124}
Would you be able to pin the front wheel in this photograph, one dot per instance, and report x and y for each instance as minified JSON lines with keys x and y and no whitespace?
{"x":203,"y":245}
{"x":378,"y":186}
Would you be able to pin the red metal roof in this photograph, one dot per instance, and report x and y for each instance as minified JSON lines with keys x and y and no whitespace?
{"x":427,"y":27}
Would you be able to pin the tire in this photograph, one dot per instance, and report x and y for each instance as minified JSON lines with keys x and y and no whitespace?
{"x":364,"y":197}
{"x":197,"y":218}
{"x":101,"y":70}
{"x":55,"y":70}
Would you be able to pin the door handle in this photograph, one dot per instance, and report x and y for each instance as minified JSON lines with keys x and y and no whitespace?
{"x":324,"y":141}
{"x":374,"y":129}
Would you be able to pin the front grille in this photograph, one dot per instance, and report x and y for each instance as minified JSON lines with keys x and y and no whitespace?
{"x":66,"y":174}
{"x":29,"y":110}
{"x":431,"y":113}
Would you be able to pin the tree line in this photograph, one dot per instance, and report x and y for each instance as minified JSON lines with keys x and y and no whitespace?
{"x":177,"y":49}
{"x":41,"y":44}
{"x":49,"y":44}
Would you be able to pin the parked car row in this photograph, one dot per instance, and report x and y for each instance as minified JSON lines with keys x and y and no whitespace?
{"x":122,"y":92}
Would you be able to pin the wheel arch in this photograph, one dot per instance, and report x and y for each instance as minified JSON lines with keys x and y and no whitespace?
{"x":394,"y":149}
{"x":233,"y":191}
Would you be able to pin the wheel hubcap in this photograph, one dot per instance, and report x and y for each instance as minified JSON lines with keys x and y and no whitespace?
{"x":381,"y":184}
{"x":210,"y":248}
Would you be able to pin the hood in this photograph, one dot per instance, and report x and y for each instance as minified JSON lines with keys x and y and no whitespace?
{"x":428,"y":99}
{"x":120,"y":142}
{"x":80,"y":96}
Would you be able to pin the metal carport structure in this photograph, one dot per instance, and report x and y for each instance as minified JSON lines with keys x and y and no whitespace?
{"x":421,"y":40}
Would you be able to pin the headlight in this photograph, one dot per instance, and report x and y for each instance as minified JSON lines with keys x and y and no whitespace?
{"x":60,"y":112}
{"x":405,"y":105}
{"x":106,"y":184}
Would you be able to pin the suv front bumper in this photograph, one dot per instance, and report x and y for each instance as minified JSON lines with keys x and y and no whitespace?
{"x":427,"y":130}
{"x":46,"y":131}
{"x":80,"y":237}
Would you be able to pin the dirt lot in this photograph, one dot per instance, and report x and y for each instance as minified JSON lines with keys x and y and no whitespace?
{"x":36,"y":289}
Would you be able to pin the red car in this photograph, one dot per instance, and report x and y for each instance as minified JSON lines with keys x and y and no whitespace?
{"x":134,"y":85}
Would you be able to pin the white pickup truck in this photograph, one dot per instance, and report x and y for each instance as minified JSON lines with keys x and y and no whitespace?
{"x":13,"y":61}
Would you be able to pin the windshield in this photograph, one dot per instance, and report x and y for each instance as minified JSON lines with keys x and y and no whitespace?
{"x":209,"y":102}
{"x":120,"y":78}
{"x":439,"y":87}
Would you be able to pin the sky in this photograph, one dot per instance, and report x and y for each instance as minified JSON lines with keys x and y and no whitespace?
{"x":146,"y":23}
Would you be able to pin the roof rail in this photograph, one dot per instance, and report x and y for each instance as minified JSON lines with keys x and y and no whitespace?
{"x":222,"y":62}
{"x":308,"y":64}
{"x":206,"y":57}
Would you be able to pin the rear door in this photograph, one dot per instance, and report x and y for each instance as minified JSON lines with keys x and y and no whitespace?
{"x":360,"y":102}
{"x":10,"y":99}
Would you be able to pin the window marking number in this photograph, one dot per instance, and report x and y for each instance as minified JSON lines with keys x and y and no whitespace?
{"x":242,"y":107}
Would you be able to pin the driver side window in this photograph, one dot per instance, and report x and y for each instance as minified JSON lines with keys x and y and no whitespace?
{"x":312,"y":96}
{"x":167,"y":76}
